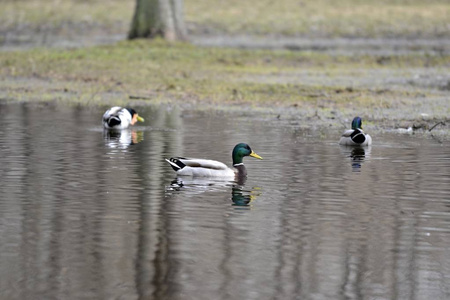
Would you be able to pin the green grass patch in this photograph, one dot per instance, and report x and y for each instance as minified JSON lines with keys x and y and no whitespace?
{"x":182,"y":72}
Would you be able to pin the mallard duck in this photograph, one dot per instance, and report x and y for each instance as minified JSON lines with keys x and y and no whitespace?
{"x":120,"y":118}
{"x":212,"y":168}
{"x":355,"y":136}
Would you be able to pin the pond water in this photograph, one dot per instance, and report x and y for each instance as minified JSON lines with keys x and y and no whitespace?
{"x":95,"y":215}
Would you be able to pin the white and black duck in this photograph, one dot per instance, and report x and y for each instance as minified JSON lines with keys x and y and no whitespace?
{"x":120,"y":118}
{"x":355,"y":136}
{"x":211,"y":168}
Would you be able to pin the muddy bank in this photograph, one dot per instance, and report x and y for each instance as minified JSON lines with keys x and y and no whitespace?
{"x":333,"y":46}
{"x":398,"y":84}
{"x":87,"y":36}
{"x":65,"y":37}
{"x":421,"y":116}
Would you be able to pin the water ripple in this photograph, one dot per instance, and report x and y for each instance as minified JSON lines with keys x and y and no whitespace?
{"x":91,"y":214}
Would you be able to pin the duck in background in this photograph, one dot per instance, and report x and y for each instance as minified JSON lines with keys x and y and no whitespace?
{"x":355,"y":136}
{"x":211,"y":168}
{"x":120,"y":118}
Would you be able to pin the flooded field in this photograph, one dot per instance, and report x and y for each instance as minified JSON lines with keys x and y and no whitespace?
{"x":91,"y":214}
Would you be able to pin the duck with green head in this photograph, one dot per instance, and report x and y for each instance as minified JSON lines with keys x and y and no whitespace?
{"x":211,"y":168}
{"x":355,"y":136}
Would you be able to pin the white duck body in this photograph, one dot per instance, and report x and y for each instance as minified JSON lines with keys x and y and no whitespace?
{"x":355,"y":137}
{"x":197,"y":167}
{"x":117,"y":118}
{"x":211,"y":168}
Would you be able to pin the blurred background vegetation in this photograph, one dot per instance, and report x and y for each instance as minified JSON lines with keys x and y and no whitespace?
{"x":304,"y":18}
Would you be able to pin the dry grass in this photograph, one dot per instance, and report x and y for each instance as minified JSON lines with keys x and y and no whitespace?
{"x":323,"y":18}
{"x":54,"y":11}
{"x":65,"y":16}
{"x":183,"y":72}
{"x":319,"y":18}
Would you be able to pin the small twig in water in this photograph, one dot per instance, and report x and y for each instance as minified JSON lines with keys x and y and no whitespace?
{"x":439,"y":123}
{"x":139,"y":97}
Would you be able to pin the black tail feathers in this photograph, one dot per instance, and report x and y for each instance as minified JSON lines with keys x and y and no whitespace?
{"x":113,"y":121}
{"x":175,"y":163}
{"x":358,"y":137}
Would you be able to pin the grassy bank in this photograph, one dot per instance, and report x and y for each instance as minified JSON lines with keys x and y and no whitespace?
{"x":182,"y":72}
{"x":390,"y":86}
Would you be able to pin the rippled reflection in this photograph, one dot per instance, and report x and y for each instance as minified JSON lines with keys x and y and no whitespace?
{"x":89,"y":214}
{"x":122,"y":139}
{"x":198,"y":185}
{"x":189,"y":186}
{"x":357,"y":155}
{"x":240,"y":197}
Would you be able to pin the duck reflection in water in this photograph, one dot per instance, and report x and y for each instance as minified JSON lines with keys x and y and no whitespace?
{"x":122,"y":139}
{"x":240,"y":197}
{"x":195,"y":186}
{"x":357,"y":156}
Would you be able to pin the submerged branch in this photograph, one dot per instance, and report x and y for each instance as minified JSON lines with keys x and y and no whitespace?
{"x":435,"y":125}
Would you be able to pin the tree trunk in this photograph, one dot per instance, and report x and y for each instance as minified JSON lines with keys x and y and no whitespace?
{"x":158,"y":18}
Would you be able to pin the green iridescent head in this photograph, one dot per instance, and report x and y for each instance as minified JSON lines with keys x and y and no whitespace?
{"x":357,"y":123}
{"x":241,"y":150}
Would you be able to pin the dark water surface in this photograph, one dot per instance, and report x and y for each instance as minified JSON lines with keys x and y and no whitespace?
{"x":90,"y":215}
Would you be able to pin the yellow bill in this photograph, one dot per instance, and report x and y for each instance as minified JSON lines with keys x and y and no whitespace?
{"x":253,"y":154}
{"x":140,"y":119}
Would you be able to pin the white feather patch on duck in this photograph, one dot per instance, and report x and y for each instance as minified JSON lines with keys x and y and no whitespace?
{"x":200,"y":167}
{"x":117,"y":118}
{"x":355,"y":137}
{"x":212,"y":168}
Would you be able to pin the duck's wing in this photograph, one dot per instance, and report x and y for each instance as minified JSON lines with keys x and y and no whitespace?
{"x":348,"y":133}
{"x":358,"y":136}
{"x":111,"y":112}
{"x":199,"y":167}
{"x":180,"y":162}
{"x":116,"y":118}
